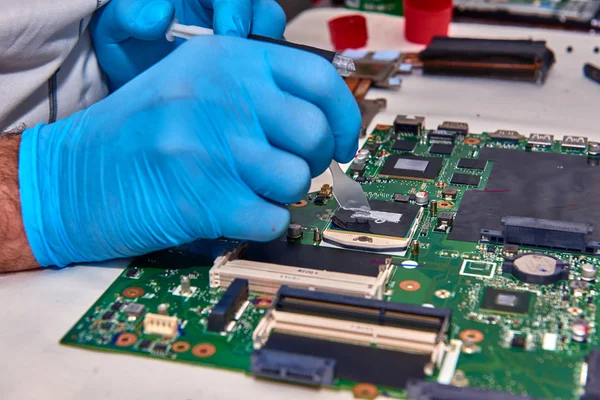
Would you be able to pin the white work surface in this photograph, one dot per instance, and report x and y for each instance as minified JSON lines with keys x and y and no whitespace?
{"x":39,"y":307}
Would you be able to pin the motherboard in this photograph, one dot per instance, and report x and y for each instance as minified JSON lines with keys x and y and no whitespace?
{"x":473,"y":276}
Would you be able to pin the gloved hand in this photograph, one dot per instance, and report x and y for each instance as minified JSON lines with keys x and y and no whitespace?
{"x":129,"y":35}
{"x":195,"y":147}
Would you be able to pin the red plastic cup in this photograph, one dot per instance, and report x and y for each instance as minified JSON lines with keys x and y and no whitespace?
{"x":348,"y":32}
{"x":425,"y":19}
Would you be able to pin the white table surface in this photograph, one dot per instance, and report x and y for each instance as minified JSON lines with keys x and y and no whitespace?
{"x":38,"y":307}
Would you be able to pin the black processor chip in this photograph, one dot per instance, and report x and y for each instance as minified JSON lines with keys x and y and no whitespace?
{"x":465,"y":179}
{"x":404,"y":145}
{"x":506,"y":301}
{"x":472,"y":163}
{"x":412,"y":167}
{"x":353,"y":222}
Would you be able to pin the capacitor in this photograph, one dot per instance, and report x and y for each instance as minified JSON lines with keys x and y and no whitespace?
{"x":421,"y":198}
{"x":317,"y":235}
{"x":433,"y":206}
{"x":365,"y":152}
{"x":579,"y":329}
{"x":415,"y":247}
{"x":593,"y":148}
{"x":588,"y":272}
{"x":185,"y":285}
{"x":361,"y":158}
{"x":163,"y":309}
{"x":294,"y":231}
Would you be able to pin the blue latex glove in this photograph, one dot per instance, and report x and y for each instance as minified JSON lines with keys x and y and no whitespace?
{"x":129,"y":35}
{"x":195,"y":147}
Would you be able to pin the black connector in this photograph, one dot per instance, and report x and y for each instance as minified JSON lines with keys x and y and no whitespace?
{"x":290,"y":367}
{"x":362,"y":310}
{"x":421,"y":390}
{"x":224,"y":311}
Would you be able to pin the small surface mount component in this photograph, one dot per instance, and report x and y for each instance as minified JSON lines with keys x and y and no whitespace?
{"x":345,"y":329}
{"x":505,"y":136}
{"x":444,"y":222}
{"x":506,"y":301}
{"x":290,"y":367}
{"x":540,"y":140}
{"x":163,"y":325}
{"x":450,"y":193}
{"x":134,"y":310}
{"x":401,"y":198}
{"x":465,"y":179}
{"x":132,"y":272}
{"x":404,"y":145}
{"x":412,"y":167}
{"x":441,"y":148}
{"x":472,"y":163}
{"x":460,"y":128}
{"x":225,"y":310}
{"x":574,"y":142}
{"x":356,"y":169}
{"x":535,"y":268}
{"x":409,"y":124}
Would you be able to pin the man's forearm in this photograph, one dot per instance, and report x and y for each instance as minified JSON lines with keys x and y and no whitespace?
{"x":15,"y":253}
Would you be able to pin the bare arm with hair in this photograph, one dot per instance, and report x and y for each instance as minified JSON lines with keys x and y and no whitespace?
{"x":15,"y":253}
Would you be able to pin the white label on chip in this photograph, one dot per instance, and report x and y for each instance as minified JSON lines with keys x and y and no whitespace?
{"x":355,"y":54}
{"x":379,"y":216}
{"x":411,"y":164}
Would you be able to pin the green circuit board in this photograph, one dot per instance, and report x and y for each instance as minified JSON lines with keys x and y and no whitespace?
{"x":547,"y":362}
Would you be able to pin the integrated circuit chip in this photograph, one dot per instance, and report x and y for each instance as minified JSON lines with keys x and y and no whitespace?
{"x":506,"y":301}
{"x":412,"y":167}
{"x":404,"y":145}
{"x":478,"y":164}
{"x":441,"y":148}
{"x":399,"y":228}
{"x":465,"y":179}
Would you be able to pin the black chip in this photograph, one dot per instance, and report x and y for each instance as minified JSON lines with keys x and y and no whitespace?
{"x":518,"y":341}
{"x":450,"y":192}
{"x":319,"y":200}
{"x":446,"y":217}
{"x":108,"y":315}
{"x":412,"y":167}
{"x":465,"y":179}
{"x":372,"y":147}
{"x":441,"y":148}
{"x":361,"y":179}
{"x":412,"y":197}
{"x":131,"y":273}
{"x":116,"y":306}
{"x":472,"y":163}
{"x":506,"y":301}
{"x":402,"y":198}
{"x":106,"y":326}
{"x":160,"y":348}
{"x":358,"y":168}
{"x":404,"y":145}
{"x":144,"y":344}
